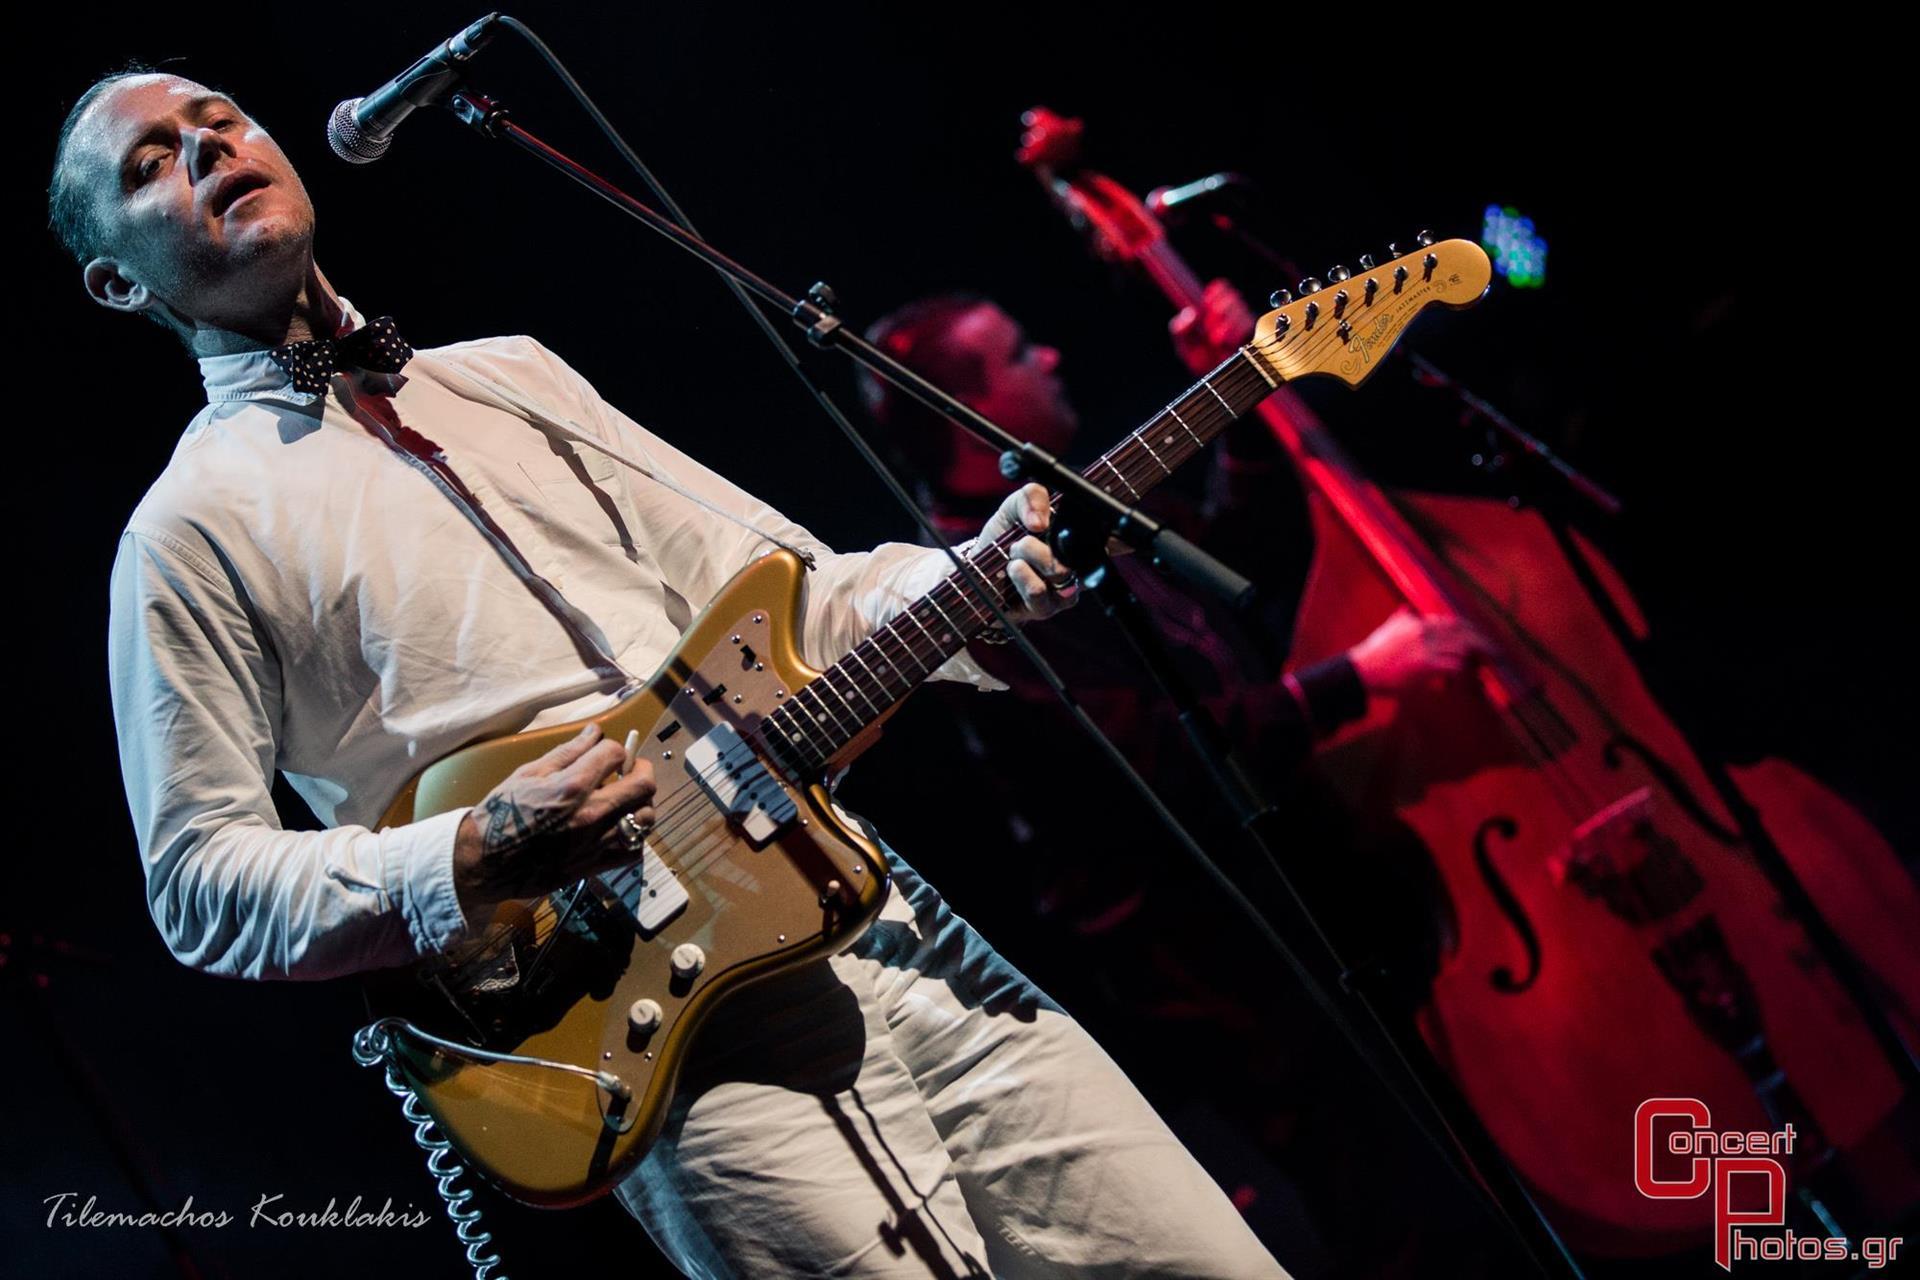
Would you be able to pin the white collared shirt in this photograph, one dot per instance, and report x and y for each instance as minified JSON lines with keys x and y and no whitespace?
{"x":295,"y":593}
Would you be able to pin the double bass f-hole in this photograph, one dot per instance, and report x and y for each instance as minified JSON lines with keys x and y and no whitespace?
{"x":1501,"y":978}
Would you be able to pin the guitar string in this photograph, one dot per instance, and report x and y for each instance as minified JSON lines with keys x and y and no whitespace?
{"x":1238,"y":378}
{"x":1140,"y":461}
{"x":667,"y":827}
{"x":692,"y":860}
{"x":1139,"y":458}
{"x":1245,"y":379}
{"x":1532,"y":731}
{"x":692,"y":864}
{"x":1533,"y":722}
{"x":1531,"y":717}
{"x":1133,"y":463}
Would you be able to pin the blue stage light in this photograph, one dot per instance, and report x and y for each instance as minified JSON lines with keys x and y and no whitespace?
{"x":1518,"y":251}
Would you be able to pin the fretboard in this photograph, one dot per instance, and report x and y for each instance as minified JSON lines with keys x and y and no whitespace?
{"x":824,"y":716}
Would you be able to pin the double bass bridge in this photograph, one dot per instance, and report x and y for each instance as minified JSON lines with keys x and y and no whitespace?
{"x":1622,"y":858}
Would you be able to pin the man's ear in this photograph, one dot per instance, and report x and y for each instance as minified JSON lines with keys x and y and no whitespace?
{"x":107,"y":285}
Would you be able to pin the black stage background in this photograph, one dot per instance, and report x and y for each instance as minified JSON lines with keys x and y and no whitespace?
{"x":1676,"y":353}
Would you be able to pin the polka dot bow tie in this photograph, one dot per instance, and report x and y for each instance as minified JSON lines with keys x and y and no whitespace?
{"x":376,"y":345}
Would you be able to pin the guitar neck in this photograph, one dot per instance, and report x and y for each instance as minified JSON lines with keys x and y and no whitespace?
{"x":1416,"y":573}
{"x":825,"y":716}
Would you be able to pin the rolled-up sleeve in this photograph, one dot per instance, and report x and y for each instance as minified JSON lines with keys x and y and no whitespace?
{"x":196,"y":703}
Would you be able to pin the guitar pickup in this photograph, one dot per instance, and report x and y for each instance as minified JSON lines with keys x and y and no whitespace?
{"x":650,"y":892}
{"x":724,"y":765}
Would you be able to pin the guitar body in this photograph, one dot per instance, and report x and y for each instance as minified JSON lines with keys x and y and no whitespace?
{"x":555,"y":979}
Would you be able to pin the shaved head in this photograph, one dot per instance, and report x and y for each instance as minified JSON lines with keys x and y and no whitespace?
{"x":180,"y":206}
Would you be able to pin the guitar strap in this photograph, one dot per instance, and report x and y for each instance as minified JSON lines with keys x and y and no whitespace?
{"x":376,"y":413}
{"x":512,"y":402}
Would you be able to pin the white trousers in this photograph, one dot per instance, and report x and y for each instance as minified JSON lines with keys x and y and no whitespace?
{"x":917,"y":1108}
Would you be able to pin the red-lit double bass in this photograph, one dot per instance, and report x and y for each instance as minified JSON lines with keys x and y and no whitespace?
{"x":1611,"y":937}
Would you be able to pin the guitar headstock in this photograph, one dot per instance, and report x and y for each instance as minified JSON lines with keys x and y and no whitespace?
{"x":1346,"y":325}
{"x":1119,"y":225}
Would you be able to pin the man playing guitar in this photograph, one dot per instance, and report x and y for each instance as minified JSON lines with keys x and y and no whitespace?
{"x":361,"y":557}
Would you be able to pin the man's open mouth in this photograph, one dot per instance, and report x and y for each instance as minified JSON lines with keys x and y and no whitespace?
{"x":234,"y":188}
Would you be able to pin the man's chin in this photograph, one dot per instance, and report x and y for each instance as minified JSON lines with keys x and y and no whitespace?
{"x":270,"y":229}
{"x":267,"y":239}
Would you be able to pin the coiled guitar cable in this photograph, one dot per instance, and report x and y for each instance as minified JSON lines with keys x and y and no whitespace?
{"x":442,"y":1163}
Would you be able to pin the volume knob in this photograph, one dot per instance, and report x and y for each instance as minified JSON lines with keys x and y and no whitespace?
{"x":687,"y":960}
{"x":644,"y":1015}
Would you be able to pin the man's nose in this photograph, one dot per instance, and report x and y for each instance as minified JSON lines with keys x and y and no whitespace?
{"x":1047,"y":359}
{"x":203,"y":148}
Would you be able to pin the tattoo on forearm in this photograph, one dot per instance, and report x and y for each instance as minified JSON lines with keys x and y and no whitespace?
{"x":507,"y":823}
{"x":506,"y":828}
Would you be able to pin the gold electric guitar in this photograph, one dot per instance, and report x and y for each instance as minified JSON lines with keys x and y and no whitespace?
{"x":546,"y":1045}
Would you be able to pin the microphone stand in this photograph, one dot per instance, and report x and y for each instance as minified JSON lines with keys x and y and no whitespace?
{"x":1407,"y":1070}
{"x":1428,"y":374}
{"x":815,"y":315}
{"x":1087,"y":520}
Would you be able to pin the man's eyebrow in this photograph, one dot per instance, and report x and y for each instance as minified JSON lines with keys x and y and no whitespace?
{"x":157,"y":131}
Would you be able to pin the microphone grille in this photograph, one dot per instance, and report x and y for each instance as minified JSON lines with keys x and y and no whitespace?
{"x":347,"y":139}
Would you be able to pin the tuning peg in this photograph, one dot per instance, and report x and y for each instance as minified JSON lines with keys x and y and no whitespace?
{"x":1279,"y":297}
{"x":822,"y":296}
{"x":1393,"y":250}
{"x":1339,"y":273}
{"x":1424,"y":239}
{"x":1366,"y":262}
{"x":1310,"y":285}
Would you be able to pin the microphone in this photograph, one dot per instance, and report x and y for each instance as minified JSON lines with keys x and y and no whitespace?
{"x":1164,"y":200}
{"x":361,"y":129}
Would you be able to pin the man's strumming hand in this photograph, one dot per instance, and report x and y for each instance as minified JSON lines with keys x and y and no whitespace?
{"x":551,"y":822}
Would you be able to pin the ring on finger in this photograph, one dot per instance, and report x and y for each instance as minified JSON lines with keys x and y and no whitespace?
{"x":634,"y":832}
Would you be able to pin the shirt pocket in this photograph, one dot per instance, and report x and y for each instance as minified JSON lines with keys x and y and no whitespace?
{"x":583,"y":496}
